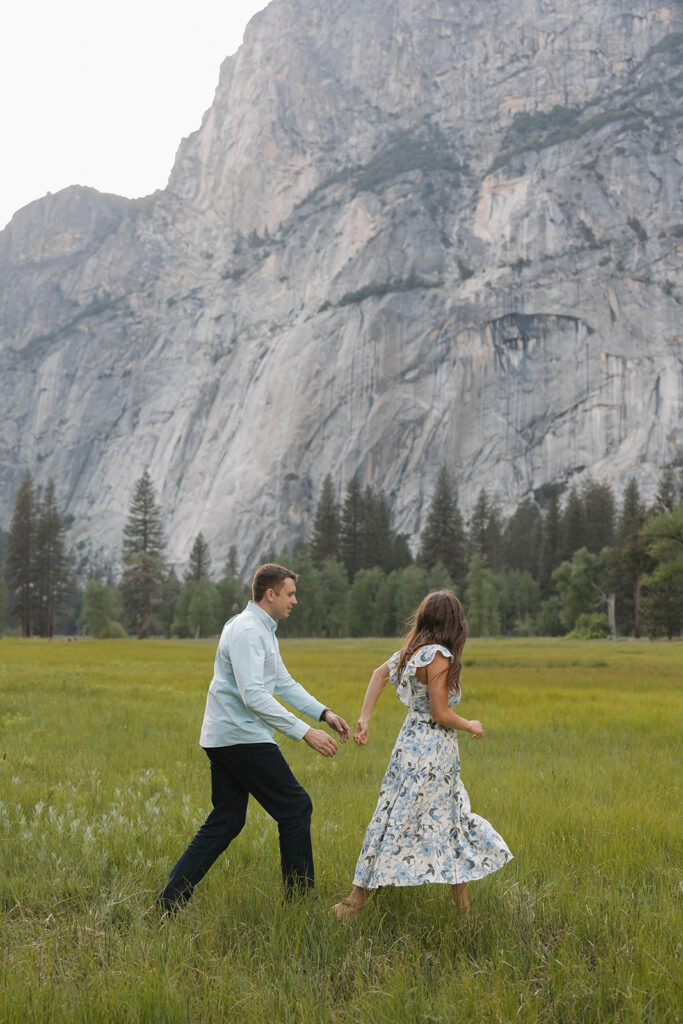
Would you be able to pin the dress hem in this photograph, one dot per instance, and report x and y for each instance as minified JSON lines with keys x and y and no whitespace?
{"x":471,"y":877}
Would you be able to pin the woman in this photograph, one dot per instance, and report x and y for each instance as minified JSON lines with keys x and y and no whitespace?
{"x":422,"y":829}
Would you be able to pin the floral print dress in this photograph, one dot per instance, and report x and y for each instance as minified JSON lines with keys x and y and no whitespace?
{"x":423,"y":829}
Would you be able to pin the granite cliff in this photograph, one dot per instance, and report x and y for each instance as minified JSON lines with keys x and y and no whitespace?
{"x":407,"y":233}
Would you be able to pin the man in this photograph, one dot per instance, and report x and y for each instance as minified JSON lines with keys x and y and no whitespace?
{"x":237,"y":735}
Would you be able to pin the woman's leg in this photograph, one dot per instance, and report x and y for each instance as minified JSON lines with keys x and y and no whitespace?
{"x":459,"y":896}
{"x":352,"y":904}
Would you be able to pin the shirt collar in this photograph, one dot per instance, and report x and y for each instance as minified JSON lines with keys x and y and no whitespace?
{"x":263,"y":615}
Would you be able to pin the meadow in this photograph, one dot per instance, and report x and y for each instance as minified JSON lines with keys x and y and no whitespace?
{"x":102,"y":783}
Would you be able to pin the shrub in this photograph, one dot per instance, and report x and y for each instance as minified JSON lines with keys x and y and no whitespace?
{"x":112,"y":631}
{"x":590,"y":626}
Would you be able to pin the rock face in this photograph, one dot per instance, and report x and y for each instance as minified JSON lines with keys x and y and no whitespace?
{"x":407,"y":233}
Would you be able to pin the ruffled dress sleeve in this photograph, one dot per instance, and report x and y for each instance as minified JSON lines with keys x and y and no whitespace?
{"x":404,"y":686}
{"x":393,"y":668}
{"x":426,"y":655}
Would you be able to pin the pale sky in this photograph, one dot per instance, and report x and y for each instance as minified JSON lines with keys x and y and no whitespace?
{"x":101,"y":94}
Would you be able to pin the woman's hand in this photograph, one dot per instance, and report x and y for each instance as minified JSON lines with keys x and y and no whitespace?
{"x":362,"y":732}
{"x":476,"y":728}
{"x":378,"y":680}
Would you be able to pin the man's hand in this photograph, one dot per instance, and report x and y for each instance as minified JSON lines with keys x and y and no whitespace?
{"x":321,"y":742}
{"x":362,"y":733}
{"x":337,"y":723}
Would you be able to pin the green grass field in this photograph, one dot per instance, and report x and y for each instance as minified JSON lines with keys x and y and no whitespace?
{"x":102,"y":783}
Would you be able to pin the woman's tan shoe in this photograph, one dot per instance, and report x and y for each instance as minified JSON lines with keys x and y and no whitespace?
{"x":346,"y":909}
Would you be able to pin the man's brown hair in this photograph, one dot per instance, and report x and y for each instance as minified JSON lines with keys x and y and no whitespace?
{"x":270,"y":575}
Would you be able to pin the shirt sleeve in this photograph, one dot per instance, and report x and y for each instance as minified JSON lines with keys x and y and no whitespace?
{"x":247,"y":655}
{"x":295,"y":694}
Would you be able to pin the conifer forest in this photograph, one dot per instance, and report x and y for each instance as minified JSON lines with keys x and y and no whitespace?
{"x":577,"y":563}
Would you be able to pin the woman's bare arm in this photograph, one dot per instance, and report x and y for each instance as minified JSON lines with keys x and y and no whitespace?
{"x":378,"y":680}
{"x":438,"y":699}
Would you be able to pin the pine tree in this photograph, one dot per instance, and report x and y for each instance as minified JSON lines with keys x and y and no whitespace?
{"x":349,"y":536}
{"x":401,"y":555}
{"x":143,"y":531}
{"x":550,"y":550}
{"x":50,"y":566}
{"x":522,"y":539}
{"x":375,"y":536}
{"x":443,"y":537}
{"x":666,"y":496}
{"x":230,"y":569}
{"x":485,"y":536}
{"x":599,"y":516}
{"x":494,"y":538}
{"x":573,"y":531}
{"x":19,"y":559}
{"x":633,"y":560}
{"x":143,"y":558}
{"x":325,"y":539}
{"x":200,"y":560}
{"x":478,"y":522}
{"x":632,"y":512}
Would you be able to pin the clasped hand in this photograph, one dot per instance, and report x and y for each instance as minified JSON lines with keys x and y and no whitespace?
{"x":362,"y":732}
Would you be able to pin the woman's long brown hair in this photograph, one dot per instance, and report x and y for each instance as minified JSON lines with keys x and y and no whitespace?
{"x":439,"y":619}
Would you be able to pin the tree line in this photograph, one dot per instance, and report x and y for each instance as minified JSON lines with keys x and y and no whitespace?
{"x":578,"y":566}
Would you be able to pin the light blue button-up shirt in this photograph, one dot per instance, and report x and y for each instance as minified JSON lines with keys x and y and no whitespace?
{"x":240,"y":706}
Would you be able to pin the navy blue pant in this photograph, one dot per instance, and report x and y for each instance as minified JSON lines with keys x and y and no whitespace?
{"x":237,"y":771}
